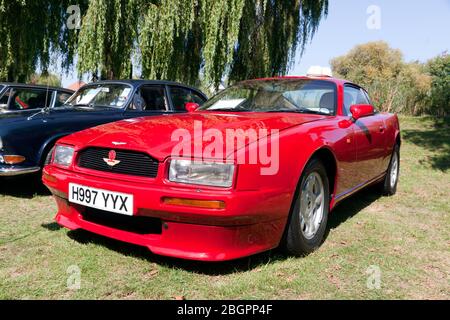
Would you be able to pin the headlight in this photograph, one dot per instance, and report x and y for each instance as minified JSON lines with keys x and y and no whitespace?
{"x":63,"y":156}
{"x":214,"y":174}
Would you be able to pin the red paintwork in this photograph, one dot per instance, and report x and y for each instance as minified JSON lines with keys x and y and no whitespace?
{"x":257,"y":207}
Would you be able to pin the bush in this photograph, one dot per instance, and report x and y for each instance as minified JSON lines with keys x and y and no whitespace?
{"x":396,"y":86}
{"x":439,"y":70}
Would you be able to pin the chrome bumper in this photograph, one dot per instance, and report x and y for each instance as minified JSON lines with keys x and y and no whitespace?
{"x":11,"y":172}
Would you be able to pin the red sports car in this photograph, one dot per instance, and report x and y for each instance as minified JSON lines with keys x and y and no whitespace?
{"x":257,"y":167}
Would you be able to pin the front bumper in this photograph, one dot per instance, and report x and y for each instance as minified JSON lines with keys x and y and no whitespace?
{"x":252,"y":222}
{"x":11,"y":171}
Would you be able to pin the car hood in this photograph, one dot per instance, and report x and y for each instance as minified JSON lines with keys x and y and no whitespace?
{"x":159,"y":135}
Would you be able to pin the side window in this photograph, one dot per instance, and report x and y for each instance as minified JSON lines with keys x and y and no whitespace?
{"x":61,"y":98}
{"x":4,"y":100}
{"x":28,"y":99}
{"x":150,"y":98}
{"x":181,"y":96}
{"x":352,"y":96}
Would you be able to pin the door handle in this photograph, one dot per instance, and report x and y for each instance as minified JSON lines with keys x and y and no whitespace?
{"x":382,"y":129}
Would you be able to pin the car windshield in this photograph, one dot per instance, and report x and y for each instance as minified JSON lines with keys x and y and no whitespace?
{"x":282,"y":95}
{"x":101,"y":96}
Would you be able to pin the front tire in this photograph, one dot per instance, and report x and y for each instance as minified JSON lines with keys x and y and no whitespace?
{"x":309,"y":217}
{"x":391,"y":181}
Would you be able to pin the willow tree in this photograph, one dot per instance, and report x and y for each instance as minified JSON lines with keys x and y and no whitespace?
{"x":187,"y":39}
{"x":31,"y":31}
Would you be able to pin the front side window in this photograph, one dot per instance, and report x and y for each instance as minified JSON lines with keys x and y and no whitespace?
{"x":181,"y":96}
{"x":61,"y":98}
{"x":352,"y":96}
{"x":100,"y":96}
{"x":150,"y":98}
{"x":290,"y":95}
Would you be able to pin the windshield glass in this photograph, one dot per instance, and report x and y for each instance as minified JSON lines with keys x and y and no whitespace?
{"x":101,"y":96}
{"x":284,"y":95}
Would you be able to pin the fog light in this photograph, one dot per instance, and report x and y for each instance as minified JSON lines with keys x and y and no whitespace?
{"x":195,"y":203}
{"x":13,"y":159}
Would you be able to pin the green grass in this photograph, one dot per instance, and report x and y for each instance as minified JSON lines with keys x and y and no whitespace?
{"x":406,"y":236}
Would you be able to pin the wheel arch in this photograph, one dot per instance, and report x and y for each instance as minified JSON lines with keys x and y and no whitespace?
{"x":48,"y":145}
{"x":328,"y":159}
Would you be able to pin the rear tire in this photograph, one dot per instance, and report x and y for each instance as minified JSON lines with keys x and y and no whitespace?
{"x":309,"y":217}
{"x":389,"y":187}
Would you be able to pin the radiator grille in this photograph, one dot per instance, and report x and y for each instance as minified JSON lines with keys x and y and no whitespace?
{"x":128,"y":162}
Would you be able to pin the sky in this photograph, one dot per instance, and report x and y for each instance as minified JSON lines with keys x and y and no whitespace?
{"x":420,"y":29}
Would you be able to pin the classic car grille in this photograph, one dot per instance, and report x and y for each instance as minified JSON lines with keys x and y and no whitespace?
{"x":131,"y":163}
{"x":138,"y":225}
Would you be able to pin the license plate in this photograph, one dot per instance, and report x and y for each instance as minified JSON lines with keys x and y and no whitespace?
{"x":104,"y":200}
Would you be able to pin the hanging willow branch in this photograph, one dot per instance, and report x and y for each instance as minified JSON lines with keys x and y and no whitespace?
{"x":31,"y":30}
{"x":184,"y":40}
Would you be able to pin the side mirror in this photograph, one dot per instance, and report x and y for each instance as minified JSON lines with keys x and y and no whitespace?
{"x":191,"y":106}
{"x":361,"y":111}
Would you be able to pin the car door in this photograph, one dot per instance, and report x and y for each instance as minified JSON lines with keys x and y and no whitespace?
{"x":148,"y":100}
{"x":369,"y":135}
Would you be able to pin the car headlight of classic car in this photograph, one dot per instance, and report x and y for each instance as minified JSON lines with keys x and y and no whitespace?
{"x":213,"y":174}
{"x":63,"y":156}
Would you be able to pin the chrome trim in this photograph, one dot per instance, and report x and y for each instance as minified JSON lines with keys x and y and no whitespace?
{"x":11,"y":172}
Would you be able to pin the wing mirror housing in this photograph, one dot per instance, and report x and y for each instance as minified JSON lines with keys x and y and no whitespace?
{"x":191,"y":106}
{"x":361,"y":111}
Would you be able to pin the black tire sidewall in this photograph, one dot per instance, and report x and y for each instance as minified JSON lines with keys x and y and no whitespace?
{"x":295,"y":242}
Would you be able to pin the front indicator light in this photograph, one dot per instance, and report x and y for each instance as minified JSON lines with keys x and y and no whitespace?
{"x":49,"y":178}
{"x":204,"y":204}
{"x":13,"y":159}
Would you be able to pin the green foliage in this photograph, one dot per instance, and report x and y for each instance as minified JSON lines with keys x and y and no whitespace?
{"x":183,"y":39}
{"x":439,"y":70}
{"x":30,"y":31}
{"x":47,"y":79}
{"x":395,"y":86}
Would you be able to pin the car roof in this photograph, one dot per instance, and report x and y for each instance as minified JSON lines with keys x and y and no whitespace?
{"x":35,"y":86}
{"x":325,"y":78}
{"x":136,"y":83}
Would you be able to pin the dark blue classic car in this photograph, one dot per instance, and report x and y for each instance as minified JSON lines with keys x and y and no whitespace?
{"x":27,"y":136}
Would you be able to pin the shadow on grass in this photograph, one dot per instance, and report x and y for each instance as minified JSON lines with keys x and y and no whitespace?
{"x":25,"y":187}
{"x":52,"y":226}
{"x":345,"y":211}
{"x":205,"y":268}
{"x":436,"y":140}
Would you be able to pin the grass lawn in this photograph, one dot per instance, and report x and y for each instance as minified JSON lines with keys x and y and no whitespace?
{"x":406,"y":238}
